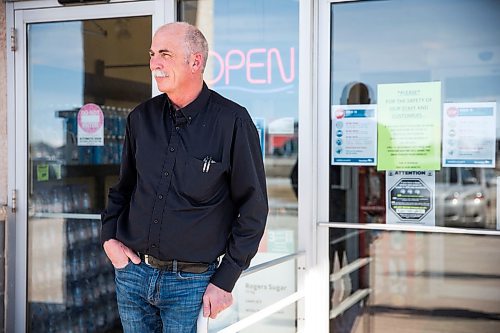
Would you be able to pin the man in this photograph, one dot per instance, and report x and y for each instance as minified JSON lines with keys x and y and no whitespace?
{"x":192,"y":188}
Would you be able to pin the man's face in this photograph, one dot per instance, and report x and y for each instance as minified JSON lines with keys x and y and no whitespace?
{"x":168,"y":60}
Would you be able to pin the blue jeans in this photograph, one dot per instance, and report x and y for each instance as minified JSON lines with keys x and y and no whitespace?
{"x":154,"y":300}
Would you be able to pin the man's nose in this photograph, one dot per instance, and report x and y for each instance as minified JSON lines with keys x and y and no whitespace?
{"x":154,"y":63}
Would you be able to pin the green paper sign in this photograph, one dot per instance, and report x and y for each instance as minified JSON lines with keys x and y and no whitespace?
{"x":409,"y":126}
{"x":42,"y":172}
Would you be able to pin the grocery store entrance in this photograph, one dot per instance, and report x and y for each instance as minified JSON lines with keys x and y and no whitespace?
{"x":79,"y":71}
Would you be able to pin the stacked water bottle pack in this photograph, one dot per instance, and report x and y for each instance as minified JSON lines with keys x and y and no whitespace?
{"x":62,"y":198}
{"x":89,"y":302}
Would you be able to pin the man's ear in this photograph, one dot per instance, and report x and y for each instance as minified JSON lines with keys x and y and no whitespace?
{"x":197,"y":61}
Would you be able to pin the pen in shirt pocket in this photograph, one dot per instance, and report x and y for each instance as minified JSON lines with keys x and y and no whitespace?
{"x":207,"y":161}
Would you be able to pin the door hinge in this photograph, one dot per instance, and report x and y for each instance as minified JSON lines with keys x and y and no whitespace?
{"x":14,"y":201}
{"x":13,"y":40}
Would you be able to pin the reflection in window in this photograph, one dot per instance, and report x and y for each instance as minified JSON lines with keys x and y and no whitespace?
{"x":77,"y":66}
{"x":377,"y":275}
{"x":421,"y":282}
{"x":367,"y":51}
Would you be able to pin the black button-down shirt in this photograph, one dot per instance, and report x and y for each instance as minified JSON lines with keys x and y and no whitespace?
{"x":192,"y":185}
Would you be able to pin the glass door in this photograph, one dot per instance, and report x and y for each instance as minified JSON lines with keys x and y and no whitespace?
{"x":408,"y":130}
{"x":81,"y":74}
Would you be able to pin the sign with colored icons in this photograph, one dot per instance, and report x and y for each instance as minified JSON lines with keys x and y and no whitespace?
{"x":354,"y":134}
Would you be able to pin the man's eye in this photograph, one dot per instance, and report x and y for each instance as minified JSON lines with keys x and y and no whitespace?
{"x":151,"y":54}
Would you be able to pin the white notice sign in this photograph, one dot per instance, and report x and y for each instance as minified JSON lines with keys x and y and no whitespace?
{"x":469,"y":134}
{"x":354,"y":134}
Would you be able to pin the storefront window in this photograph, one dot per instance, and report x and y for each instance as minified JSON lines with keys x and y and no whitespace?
{"x":253,"y":60}
{"x":417,"y":102}
{"x":413,"y":141}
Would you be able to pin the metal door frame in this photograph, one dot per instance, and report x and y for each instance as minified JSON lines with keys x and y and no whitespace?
{"x":19,"y":14}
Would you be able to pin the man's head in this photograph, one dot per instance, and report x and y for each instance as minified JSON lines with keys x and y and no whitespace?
{"x":178,"y":56}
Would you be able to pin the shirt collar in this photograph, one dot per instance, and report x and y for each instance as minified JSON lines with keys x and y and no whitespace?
{"x":193,"y":108}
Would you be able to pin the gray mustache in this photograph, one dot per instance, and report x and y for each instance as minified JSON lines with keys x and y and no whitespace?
{"x":159,"y":73}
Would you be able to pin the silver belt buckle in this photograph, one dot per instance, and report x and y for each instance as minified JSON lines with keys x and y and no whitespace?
{"x":146,"y":260}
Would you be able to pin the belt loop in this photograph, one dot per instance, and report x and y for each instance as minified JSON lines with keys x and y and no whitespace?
{"x":174,"y":266}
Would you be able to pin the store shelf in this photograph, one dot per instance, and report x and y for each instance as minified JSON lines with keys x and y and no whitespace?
{"x":67,"y":216}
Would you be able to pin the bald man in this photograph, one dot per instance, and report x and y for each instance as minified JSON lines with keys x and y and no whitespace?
{"x":190,"y":207}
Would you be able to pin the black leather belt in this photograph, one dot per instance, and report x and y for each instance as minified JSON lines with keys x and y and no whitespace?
{"x":174,"y":265}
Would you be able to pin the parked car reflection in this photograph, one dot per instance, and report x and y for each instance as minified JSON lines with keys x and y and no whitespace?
{"x":465,"y":197}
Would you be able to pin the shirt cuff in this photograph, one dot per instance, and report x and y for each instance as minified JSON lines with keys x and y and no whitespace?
{"x":108,"y":230}
{"x":226,"y":275}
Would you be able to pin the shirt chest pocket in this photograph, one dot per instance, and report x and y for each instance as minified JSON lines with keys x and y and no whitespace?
{"x":201,"y":181}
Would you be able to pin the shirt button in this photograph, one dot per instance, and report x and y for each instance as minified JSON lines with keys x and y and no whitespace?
{"x":155,"y":221}
{"x":160,"y":196}
{"x":172,"y":149}
{"x":177,"y":128}
{"x":153,"y":245}
{"x":166,"y":174}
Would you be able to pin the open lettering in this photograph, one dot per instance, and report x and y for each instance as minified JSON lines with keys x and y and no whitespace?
{"x":254,"y":62}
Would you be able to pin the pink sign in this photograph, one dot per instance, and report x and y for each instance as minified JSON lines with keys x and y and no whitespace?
{"x":90,"y":118}
{"x":90,"y":121}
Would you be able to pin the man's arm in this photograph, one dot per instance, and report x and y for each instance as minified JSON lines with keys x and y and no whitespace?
{"x":118,"y":203}
{"x":249,"y":194}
